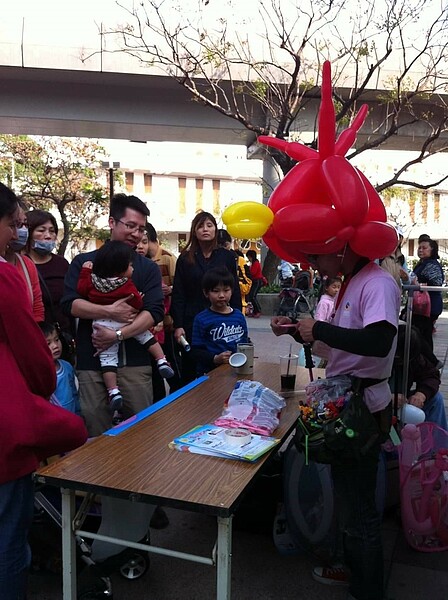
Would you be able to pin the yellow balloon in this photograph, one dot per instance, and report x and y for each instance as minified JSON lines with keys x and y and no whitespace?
{"x":247,"y":219}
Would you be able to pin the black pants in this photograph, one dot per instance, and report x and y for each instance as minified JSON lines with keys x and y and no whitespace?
{"x":359,"y":520}
{"x":256,"y":285}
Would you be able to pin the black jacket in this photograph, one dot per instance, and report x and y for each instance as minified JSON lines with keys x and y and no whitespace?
{"x":187,"y":298}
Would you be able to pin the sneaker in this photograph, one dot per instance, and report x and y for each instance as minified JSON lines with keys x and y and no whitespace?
{"x":159,"y":519}
{"x":117,"y":418}
{"x":115,"y":402}
{"x":165,"y":369}
{"x":333,"y":575}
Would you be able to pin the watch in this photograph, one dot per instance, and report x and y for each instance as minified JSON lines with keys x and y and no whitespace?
{"x":119,"y":335}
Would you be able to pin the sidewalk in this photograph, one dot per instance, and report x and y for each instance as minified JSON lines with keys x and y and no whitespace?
{"x":259,"y":572}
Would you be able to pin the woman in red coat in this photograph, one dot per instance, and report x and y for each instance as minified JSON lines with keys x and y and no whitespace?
{"x":257,"y":282}
{"x":31,"y":429}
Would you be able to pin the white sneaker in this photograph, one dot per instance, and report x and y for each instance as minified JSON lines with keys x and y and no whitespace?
{"x":164,"y":368}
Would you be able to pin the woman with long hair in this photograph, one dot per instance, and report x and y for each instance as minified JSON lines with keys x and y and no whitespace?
{"x":200,"y":254}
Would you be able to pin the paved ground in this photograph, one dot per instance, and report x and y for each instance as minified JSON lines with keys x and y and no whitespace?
{"x":259,"y":571}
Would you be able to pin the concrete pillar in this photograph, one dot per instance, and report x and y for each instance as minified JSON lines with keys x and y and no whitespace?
{"x":272,"y":175}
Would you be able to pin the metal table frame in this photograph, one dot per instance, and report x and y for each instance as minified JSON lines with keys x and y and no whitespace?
{"x":85,"y":471}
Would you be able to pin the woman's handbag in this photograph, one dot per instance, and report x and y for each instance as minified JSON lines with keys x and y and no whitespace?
{"x":346,"y":438}
{"x":421,"y":304}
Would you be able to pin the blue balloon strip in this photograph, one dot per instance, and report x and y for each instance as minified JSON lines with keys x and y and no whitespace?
{"x":146,"y":412}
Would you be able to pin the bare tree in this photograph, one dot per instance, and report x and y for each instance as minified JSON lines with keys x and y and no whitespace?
{"x":262,"y":68}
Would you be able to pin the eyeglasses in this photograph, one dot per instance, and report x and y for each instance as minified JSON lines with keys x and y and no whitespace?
{"x":19,"y":224}
{"x":132,"y":226}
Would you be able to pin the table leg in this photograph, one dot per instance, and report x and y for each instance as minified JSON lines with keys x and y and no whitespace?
{"x":224,"y":558}
{"x":68,"y":546}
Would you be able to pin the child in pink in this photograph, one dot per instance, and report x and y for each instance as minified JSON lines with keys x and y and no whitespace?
{"x":324,"y":312}
{"x":325,"y":307}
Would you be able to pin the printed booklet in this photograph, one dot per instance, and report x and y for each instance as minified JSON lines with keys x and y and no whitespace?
{"x":219,"y":441}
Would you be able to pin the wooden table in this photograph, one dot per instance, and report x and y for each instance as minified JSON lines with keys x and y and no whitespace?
{"x":138,"y":465}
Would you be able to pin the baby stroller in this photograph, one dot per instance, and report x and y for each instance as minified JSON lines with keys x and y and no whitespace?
{"x":298,"y":299}
{"x":424,"y":486}
{"x":97,"y":561}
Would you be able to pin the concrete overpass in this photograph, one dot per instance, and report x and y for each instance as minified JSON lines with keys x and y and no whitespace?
{"x":140,"y":107}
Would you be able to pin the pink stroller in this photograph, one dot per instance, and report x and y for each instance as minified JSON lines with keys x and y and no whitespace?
{"x":423,"y":457}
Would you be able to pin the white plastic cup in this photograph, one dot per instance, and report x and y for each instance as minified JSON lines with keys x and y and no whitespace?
{"x":288,"y":371}
{"x":237,"y":360}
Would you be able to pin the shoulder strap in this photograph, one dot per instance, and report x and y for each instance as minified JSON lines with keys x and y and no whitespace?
{"x":27,"y":275}
{"x":46,"y":293}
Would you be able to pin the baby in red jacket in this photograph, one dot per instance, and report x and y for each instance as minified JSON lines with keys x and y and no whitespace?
{"x":105,"y":281}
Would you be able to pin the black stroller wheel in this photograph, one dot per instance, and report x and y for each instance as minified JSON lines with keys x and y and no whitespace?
{"x":135,"y":566}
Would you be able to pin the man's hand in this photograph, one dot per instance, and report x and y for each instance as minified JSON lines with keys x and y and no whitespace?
{"x":102,"y":338}
{"x":121,"y":311}
{"x":178,"y":333}
{"x":417,"y":399}
{"x":282,"y":325}
{"x":305,"y":327}
{"x":87,"y":265}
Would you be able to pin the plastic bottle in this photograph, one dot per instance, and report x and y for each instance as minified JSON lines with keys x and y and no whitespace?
{"x":183,"y":342}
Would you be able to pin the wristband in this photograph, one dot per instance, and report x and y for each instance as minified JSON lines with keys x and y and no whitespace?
{"x":119,"y":335}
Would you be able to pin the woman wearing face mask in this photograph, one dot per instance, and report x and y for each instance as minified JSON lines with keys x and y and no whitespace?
{"x":42,"y":235}
{"x":25,"y":265}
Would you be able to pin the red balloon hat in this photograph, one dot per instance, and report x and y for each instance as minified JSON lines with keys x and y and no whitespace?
{"x":324,"y":202}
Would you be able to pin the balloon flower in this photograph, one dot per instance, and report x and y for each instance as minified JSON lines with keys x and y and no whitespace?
{"x":247,"y":220}
{"x":325,"y":202}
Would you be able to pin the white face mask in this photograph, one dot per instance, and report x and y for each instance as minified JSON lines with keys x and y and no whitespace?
{"x":22,"y":238}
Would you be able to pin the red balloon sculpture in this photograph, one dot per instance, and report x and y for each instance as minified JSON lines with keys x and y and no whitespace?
{"x":324,"y":202}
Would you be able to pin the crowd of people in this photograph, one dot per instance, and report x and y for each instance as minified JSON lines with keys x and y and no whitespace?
{"x":32,"y":428}
{"x":133,"y":310}
{"x":145,"y":323}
